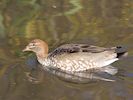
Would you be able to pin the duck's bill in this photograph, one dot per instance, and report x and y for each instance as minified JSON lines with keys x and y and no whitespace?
{"x":26,"y":49}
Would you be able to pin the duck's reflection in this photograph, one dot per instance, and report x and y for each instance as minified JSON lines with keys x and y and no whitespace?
{"x":83,"y":76}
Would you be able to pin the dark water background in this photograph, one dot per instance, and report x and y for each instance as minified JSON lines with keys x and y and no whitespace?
{"x":98,"y":22}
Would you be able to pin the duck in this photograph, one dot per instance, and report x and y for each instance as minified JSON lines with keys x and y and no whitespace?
{"x":76,"y":58}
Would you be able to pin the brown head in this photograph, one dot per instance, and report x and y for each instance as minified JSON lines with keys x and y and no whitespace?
{"x":39,"y":47}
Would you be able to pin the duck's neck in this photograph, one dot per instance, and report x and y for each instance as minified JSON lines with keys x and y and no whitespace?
{"x":41,"y":55}
{"x":43,"y":59}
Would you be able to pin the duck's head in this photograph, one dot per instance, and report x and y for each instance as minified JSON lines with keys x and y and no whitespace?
{"x":37,"y":46}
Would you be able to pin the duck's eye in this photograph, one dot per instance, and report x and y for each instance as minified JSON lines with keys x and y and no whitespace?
{"x":32,"y":45}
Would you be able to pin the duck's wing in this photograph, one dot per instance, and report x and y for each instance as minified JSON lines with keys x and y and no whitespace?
{"x":75,"y":48}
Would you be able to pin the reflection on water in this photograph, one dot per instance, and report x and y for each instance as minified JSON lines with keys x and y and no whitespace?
{"x":97,"y":22}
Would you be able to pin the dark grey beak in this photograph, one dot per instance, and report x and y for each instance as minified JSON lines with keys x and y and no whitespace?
{"x":26,"y":49}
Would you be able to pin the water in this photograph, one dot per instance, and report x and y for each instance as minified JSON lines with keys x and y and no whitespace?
{"x":103,"y":23}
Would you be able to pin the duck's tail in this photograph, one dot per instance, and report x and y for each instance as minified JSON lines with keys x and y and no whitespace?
{"x":121,"y":52}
